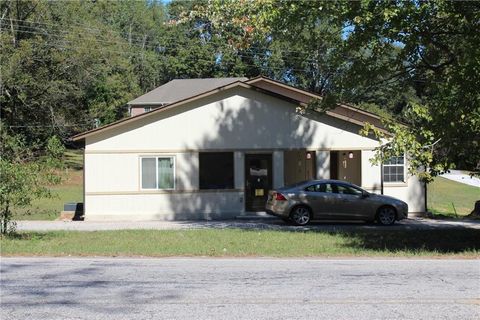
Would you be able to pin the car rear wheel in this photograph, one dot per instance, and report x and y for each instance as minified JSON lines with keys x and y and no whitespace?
{"x":300,"y":215}
{"x":386,"y":216}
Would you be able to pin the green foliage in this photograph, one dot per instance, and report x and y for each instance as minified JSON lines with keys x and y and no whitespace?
{"x":25,"y":175}
{"x":70,"y":189}
{"x":327,"y":102}
{"x":417,"y":142}
{"x":440,"y":46}
{"x":399,"y":57}
{"x":66,"y":64}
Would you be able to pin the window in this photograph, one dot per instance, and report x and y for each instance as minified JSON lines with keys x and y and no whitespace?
{"x":147,"y":109}
{"x":344,"y":189}
{"x":216,"y":170}
{"x":321,"y":187}
{"x":394,"y":169}
{"x":158,"y":172}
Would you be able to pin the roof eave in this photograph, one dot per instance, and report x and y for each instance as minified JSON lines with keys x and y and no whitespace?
{"x":246,"y":84}
{"x":88,"y":133}
{"x":133,"y":104}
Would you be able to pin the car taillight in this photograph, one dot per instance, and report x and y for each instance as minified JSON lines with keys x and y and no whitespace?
{"x":280,"y":197}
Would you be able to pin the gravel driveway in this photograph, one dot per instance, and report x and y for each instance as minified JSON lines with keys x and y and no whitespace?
{"x":263,"y":223}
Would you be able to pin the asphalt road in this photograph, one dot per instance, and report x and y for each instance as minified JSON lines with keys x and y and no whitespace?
{"x":116,"y":288}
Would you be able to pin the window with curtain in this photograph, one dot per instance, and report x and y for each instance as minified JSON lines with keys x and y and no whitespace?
{"x":394,"y":169}
{"x":158,"y":173}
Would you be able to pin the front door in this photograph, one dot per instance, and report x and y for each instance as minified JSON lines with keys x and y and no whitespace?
{"x":349,"y":167}
{"x":258,"y":180}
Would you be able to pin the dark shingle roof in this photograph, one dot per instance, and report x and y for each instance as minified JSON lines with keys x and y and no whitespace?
{"x":180,"y":89}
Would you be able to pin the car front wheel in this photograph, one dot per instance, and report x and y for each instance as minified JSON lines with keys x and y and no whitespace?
{"x":300,"y":216}
{"x":386,"y":216}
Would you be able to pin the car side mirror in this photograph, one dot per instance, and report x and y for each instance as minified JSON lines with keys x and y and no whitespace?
{"x":365,"y":194}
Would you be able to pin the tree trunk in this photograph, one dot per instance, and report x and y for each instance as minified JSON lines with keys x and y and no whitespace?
{"x":5,"y":219}
{"x":476,"y":210}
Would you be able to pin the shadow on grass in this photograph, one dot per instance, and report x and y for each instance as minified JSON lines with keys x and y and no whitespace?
{"x":436,"y":214}
{"x":29,"y":236}
{"x":383,"y":241}
{"x":428,"y":238}
{"x":434,"y":241}
{"x":451,"y":216}
{"x":37,"y":213}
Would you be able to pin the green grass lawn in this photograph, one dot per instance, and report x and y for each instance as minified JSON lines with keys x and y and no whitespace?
{"x":70,"y":190}
{"x":442,"y":193}
{"x":244,"y":243}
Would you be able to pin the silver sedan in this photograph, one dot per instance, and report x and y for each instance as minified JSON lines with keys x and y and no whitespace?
{"x":333,"y":200}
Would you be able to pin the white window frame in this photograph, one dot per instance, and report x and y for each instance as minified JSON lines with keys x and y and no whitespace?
{"x":156,"y":172}
{"x":147,"y":109}
{"x":404,"y":165}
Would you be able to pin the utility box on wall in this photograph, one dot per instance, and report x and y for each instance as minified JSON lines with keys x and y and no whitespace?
{"x":72,"y":211}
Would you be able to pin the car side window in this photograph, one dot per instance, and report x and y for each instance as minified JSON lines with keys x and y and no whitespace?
{"x":320,"y":187}
{"x":314,"y":188}
{"x":344,"y":189}
{"x":358,"y":192}
{"x":328,"y":188}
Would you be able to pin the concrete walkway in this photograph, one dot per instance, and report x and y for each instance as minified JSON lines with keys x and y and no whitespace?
{"x":255,"y":224}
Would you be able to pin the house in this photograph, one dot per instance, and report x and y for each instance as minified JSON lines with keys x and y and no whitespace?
{"x":212,"y":148}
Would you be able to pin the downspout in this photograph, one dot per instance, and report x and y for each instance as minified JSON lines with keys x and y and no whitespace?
{"x":381,"y":177}
{"x":425,"y":195}
{"x":381,"y":172}
{"x":426,"y":168}
{"x":84,"y":179}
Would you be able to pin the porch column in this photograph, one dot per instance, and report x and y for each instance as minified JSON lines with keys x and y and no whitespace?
{"x":278,"y":168}
{"x":239,"y":169}
{"x":323,"y":164}
{"x":371,"y":176}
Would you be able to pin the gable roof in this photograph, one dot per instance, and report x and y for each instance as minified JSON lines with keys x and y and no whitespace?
{"x":179,"y":89}
{"x":348,"y":112}
{"x":343,"y":112}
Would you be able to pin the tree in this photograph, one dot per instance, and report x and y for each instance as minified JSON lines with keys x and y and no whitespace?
{"x":25,"y":175}
{"x":66,"y":64}
{"x":439,"y":50}
{"x":417,"y":60}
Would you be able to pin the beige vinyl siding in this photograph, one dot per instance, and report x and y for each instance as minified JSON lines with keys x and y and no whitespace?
{"x":236,"y":120}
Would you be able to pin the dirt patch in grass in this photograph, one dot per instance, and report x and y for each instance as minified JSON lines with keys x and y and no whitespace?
{"x":72,"y":178}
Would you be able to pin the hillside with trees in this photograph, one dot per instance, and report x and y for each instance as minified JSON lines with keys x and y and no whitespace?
{"x":67,"y":66}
